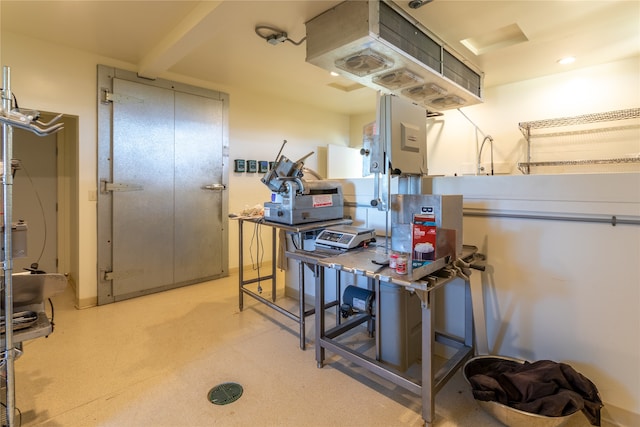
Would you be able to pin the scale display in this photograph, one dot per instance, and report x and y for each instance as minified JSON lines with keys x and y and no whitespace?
{"x":345,"y":237}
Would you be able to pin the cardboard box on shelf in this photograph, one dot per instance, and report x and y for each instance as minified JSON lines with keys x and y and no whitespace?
{"x":430,"y":243}
{"x":423,"y":240}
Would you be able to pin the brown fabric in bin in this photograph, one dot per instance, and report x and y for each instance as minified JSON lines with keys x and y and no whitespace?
{"x":544,"y":387}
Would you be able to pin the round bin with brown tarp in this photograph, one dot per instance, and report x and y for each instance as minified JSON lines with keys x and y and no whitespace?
{"x":533,"y":394}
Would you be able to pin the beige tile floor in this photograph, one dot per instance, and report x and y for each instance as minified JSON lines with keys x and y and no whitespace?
{"x":151,"y":361}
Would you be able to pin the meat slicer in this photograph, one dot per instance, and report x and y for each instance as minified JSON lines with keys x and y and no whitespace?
{"x":295,"y":200}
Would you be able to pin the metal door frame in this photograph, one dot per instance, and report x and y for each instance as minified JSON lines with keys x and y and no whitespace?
{"x":105,"y":98}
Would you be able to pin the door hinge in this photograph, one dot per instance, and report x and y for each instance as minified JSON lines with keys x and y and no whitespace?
{"x":105,"y":96}
{"x":110,"y":97}
{"x":106,"y":187}
{"x":119,"y":275}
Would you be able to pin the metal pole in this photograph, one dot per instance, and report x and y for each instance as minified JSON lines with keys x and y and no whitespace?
{"x":240,"y":264}
{"x":7,"y":265}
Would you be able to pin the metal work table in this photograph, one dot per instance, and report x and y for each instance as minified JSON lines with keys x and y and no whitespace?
{"x":360,"y":262}
{"x":30,"y":291}
{"x":42,"y":327}
{"x":296,"y":231}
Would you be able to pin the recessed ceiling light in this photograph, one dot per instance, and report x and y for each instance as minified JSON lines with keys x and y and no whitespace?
{"x":566,"y":60}
{"x":334,"y":74}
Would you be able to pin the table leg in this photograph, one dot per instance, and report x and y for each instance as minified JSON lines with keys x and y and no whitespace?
{"x":338,"y":296}
{"x":241,"y":263}
{"x":301,"y":292}
{"x":319,"y":315}
{"x":274,"y":261}
{"x":479,"y":319}
{"x":468,"y":315}
{"x":428,"y":338}
{"x":376,"y":326}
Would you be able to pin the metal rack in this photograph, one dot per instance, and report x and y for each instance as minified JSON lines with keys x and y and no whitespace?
{"x":11,"y":117}
{"x":431,"y":378}
{"x":292,"y":230}
{"x":605,"y":122}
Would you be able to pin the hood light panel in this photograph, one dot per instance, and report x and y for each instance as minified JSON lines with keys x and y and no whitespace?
{"x":397,"y":79}
{"x":376,"y":44}
{"x":364,"y":63}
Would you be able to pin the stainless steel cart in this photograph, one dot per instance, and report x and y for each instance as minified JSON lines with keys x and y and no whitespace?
{"x":360,"y":262}
{"x":297,"y":231}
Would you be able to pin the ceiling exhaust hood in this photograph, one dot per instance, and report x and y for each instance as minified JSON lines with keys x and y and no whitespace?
{"x":377,"y":44}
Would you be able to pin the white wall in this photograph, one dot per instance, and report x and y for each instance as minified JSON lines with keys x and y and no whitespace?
{"x":258,"y":126}
{"x":357,"y":124}
{"x":452,"y":140}
{"x":50,"y":78}
{"x":562,"y":290}
{"x":566,"y":291}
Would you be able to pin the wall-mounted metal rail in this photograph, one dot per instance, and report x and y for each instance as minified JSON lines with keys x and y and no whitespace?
{"x":602,"y":219}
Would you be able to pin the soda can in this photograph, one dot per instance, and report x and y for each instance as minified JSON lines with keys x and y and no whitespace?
{"x":393,"y":260}
{"x":401,"y":264}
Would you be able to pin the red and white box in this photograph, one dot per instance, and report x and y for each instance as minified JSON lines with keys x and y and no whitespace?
{"x":423,"y":239}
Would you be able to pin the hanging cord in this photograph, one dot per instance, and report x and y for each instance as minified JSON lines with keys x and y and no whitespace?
{"x":486,"y":137}
{"x":52,"y":316}
{"x":15,"y":100}
{"x":4,"y":415}
{"x":255,"y":264}
{"x":276,"y":35}
{"x":44,"y":218}
{"x":296,"y":245}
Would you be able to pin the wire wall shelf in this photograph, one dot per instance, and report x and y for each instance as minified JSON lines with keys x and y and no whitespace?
{"x":581,"y":126}
{"x":611,"y":116}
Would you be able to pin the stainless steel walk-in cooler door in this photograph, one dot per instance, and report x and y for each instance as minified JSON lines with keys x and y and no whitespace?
{"x":162,"y":198}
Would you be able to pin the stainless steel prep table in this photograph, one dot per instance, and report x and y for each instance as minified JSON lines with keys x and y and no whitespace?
{"x":360,"y":262}
{"x":297,"y":231}
{"x":41,"y":327}
{"x":29,"y":294}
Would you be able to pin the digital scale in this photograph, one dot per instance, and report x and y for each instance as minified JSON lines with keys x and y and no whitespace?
{"x":345,"y":237}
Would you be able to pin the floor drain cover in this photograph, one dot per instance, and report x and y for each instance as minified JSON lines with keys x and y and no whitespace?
{"x":225,"y":393}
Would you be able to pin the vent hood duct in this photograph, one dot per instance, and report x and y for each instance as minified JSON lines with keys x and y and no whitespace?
{"x":376,"y":44}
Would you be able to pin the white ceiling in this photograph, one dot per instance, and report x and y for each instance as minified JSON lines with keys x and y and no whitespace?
{"x":215,"y":41}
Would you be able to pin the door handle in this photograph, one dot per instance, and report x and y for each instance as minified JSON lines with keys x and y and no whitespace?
{"x":214,"y":187}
